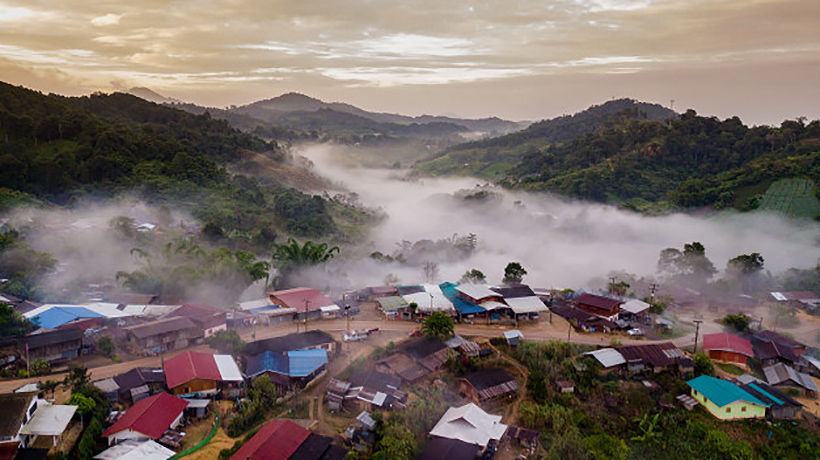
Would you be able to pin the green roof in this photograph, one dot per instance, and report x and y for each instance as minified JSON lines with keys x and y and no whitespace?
{"x":722,"y":392}
{"x":392,"y":303}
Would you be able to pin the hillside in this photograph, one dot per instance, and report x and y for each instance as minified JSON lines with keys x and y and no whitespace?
{"x":692,"y":161}
{"x":492,"y":158}
{"x":58,"y":149}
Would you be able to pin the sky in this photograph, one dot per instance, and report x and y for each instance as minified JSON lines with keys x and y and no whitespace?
{"x":517,"y":59}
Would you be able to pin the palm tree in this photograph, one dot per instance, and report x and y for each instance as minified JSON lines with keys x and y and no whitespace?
{"x":310,"y":253}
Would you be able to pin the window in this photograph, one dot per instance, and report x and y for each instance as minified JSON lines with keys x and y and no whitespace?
{"x":743,"y":409}
{"x":728,"y":410}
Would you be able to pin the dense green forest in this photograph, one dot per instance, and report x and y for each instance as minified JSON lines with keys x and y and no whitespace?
{"x":57,"y":150}
{"x":492,"y":158}
{"x":652,"y":163}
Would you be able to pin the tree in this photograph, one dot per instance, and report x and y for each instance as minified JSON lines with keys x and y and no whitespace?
{"x":618,"y":288}
{"x":397,"y":443}
{"x":474,"y":276}
{"x":745,"y":268}
{"x":106,"y":346}
{"x":430,"y":271}
{"x":12,"y":323}
{"x":740,"y":321}
{"x":514,"y":273}
{"x":703,"y":365}
{"x":690,"y":265}
{"x":438,"y":324}
{"x":226,"y":342}
{"x":40,"y":366}
{"x":292,"y":256}
{"x":77,"y":378}
{"x":84,"y":404}
{"x":48,"y":386}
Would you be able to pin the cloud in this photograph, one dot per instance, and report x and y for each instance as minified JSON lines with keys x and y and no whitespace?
{"x":109,"y":19}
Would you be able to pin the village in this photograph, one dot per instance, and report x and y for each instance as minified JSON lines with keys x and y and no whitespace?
{"x":448,"y":371}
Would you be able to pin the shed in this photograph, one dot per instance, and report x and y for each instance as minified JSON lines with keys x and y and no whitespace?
{"x":566,"y":386}
{"x":488,"y":383}
{"x":608,"y":357}
{"x":513,"y":337}
{"x":783,"y":375}
{"x":49,"y":420}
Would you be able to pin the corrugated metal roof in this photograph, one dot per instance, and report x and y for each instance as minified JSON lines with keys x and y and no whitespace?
{"x":635,"y":306}
{"x":722,"y":392}
{"x":608,"y":357}
{"x":476,"y":291}
{"x":470,"y":424}
{"x":302,"y":363}
{"x":391,"y":303}
{"x":228,"y":368}
{"x":57,"y":316}
{"x":780,"y":373}
{"x":728,"y":342}
{"x":49,"y":420}
{"x":520,"y":305}
{"x":150,"y":416}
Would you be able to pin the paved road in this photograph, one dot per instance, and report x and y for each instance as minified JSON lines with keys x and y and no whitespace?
{"x":540,"y":331}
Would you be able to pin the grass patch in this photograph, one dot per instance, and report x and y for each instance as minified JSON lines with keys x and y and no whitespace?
{"x":731,"y":368}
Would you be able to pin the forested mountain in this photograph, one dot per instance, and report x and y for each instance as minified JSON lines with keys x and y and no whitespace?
{"x":58,"y":149}
{"x":691,"y":161}
{"x":493,"y":157}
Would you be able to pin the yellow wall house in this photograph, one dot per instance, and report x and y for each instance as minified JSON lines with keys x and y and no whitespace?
{"x":725,"y":400}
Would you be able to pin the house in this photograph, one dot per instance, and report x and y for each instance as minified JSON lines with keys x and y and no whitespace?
{"x":771,"y":347}
{"x":191,"y":373}
{"x":477,"y":293}
{"x":657,"y":356}
{"x":394,"y":307}
{"x":599,"y":306}
{"x":464,"y":305}
{"x":401,"y":365}
{"x":726,"y":400}
{"x":291,"y":342}
{"x":781,"y":406}
{"x":489,"y":383}
{"x":727,"y":348}
{"x":18,"y":408}
{"x":513,"y":337}
{"x":466,"y":348}
{"x":48,"y":421}
{"x":807,"y":300}
{"x":288,"y":370}
{"x":634,"y":309}
{"x":470,"y":424}
{"x":609,"y":358}
{"x":514,"y":291}
{"x":781,"y":375}
{"x":53,"y":346}
{"x":584,"y":320}
{"x":136,"y":450}
{"x":139,"y":382}
{"x":529,"y":306}
{"x":211,"y":320}
{"x":376,"y":292}
{"x":20,"y":306}
{"x":449,"y":449}
{"x":164,"y":334}
{"x":149,"y":418}
{"x":566,"y":386}
{"x":368,"y":386}
{"x":285,"y":440}
{"x":430,"y":299}
{"x":109,"y":387}
{"x":56,"y":316}
{"x":307,"y":302}
{"x":428,"y":352}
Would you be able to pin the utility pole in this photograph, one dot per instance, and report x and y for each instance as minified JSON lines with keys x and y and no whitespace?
{"x":307,"y":302}
{"x":652,"y":288}
{"x":697,"y":333}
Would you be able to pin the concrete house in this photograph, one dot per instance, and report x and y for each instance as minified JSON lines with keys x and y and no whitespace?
{"x":726,"y":400}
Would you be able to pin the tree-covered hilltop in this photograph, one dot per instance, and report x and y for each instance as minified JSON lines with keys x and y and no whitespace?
{"x":492,"y":158}
{"x":691,"y":161}
{"x":57,"y":149}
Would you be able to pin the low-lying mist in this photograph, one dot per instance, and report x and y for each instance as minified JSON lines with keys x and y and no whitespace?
{"x":561,"y":243}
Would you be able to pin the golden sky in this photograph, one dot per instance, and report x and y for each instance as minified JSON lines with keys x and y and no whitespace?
{"x":518,"y":59}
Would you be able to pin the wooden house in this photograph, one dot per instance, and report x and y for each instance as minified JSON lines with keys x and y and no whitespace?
{"x":728,"y":348}
{"x":53,"y":346}
{"x":193,"y":373}
{"x":164,"y":334}
{"x":599,"y":306}
{"x":485,"y":384}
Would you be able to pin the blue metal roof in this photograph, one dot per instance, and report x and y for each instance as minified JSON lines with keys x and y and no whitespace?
{"x":58,"y":316}
{"x":462,"y":305}
{"x":268,"y":361}
{"x":302,"y":363}
{"x":722,"y":392}
{"x":766,"y":394}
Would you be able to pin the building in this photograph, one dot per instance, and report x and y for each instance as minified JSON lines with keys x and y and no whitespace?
{"x":285,"y":440}
{"x":211,"y":320}
{"x":634,"y":309}
{"x":609,"y":358}
{"x":771,"y":347}
{"x":655,"y":356}
{"x":309,"y":303}
{"x":193,"y":373}
{"x":470,"y":424}
{"x":48,"y":421}
{"x":18,"y":408}
{"x":147,"y":419}
{"x":394,"y":307}
{"x":466,"y":348}
{"x":489,"y":383}
{"x":53,"y":346}
{"x":164,"y":334}
{"x":136,"y":450}
{"x":297,"y":341}
{"x":600,"y":306}
{"x":56,"y":316}
{"x":139,"y":383}
{"x":288,"y":370}
{"x":530,"y":306}
{"x":781,"y":405}
{"x":726,"y":400}
{"x":727,"y":348}
{"x":430,"y":299}
{"x":449,"y":449}
{"x":428,"y":352}
{"x":781,"y":375}
{"x":584,"y":320}
{"x":806,"y":300}
{"x":401,"y":365}
{"x":134,"y":299}
{"x":366,"y":390}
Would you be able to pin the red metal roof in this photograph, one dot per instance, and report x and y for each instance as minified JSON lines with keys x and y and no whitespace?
{"x":150,"y":416}
{"x":188,"y":366}
{"x":277,"y":440}
{"x":295,"y":298}
{"x":727,"y":342}
{"x":598,"y":301}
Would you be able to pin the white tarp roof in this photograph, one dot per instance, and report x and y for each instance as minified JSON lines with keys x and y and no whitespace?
{"x":228,"y":368}
{"x":513,"y":334}
{"x":491,"y":305}
{"x":49,"y":420}
{"x":422,"y":299}
{"x":779,"y":297}
{"x":109,"y":310}
{"x":634,"y":306}
{"x":470,"y":424}
{"x":197,"y":403}
{"x":608,"y":357}
{"x":137,"y":450}
{"x":251,"y":304}
{"x":476,"y":291}
{"x":529,"y":304}
{"x":330,"y":308}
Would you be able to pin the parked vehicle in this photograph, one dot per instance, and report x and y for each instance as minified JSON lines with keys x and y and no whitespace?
{"x":635,"y":332}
